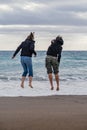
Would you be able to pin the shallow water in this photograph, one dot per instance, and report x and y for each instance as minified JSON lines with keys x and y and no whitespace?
{"x":73,"y":75}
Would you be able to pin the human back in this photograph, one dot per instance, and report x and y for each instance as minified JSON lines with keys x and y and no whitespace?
{"x":53,"y":56}
{"x":56,"y":47}
{"x":27,"y":48}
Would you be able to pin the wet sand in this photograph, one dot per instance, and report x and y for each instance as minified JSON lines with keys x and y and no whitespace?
{"x":43,"y":113}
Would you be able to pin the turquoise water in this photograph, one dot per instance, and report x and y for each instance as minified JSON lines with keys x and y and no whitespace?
{"x":72,"y":71}
{"x":73,"y":65}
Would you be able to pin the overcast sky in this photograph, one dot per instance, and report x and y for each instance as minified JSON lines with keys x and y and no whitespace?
{"x":47,"y":18}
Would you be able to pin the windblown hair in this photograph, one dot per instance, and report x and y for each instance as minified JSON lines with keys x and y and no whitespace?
{"x":31,"y":36}
{"x":59,"y":39}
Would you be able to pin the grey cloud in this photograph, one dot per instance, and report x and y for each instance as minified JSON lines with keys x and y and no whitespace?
{"x":13,"y":1}
{"x":54,"y":17}
{"x":19,"y":29}
{"x":74,"y":8}
{"x":53,"y":13}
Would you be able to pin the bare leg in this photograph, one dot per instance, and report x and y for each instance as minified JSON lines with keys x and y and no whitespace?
{"x":30,"y":81}
{"x":51,"y":80}
{"x":22,"y":81}
{"x":57,"y":81}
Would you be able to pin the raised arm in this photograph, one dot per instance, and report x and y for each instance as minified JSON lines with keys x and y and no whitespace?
{"x":17,"y":50}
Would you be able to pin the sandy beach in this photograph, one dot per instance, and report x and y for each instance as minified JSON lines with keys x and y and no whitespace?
{"x":43,"y":113}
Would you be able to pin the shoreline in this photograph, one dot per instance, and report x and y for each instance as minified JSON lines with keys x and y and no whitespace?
{"x":61,"y":112}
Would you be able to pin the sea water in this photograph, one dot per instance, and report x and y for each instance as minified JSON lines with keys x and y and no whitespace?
{"x":72,"y":73}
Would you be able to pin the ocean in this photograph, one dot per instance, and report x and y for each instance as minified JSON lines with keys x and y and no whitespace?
{"x":72,"y":73}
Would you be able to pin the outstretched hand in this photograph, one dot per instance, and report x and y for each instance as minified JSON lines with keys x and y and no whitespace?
{"x":35,"y":55}
{"x":12,"y":57}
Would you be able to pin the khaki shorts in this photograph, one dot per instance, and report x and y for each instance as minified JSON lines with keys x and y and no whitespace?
{"x":51,"y":63}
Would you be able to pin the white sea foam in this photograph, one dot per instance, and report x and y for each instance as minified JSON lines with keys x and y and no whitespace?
{"x":13,"y":89}
{"x":72,"y":71}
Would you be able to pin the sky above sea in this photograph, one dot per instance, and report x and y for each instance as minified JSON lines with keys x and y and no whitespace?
{"x":47,"y":18}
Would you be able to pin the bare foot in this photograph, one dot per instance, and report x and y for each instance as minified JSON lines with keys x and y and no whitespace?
{"x":22,"y":86}
{"x":52,"y":88}
{"x":57,"y":89}
{"x":31,"y":86}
